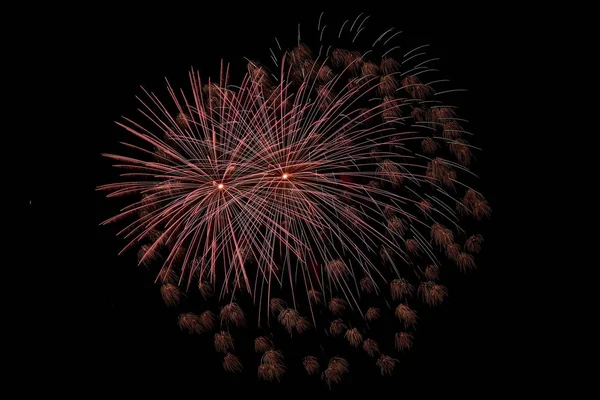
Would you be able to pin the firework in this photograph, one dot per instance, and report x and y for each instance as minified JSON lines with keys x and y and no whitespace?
{"x":335,"y":370}
{"x":170,"y":294}
{"x":372,"y":314}
{"x":432,"y":293}
{"x":311,"y":365}
{"x":403,"y":340}
{"x":231,"y":363}
{"x":337,"y":326}
{"x":370,"y":347}
{"x":386,"y":364}
{"x":432,"y":272}
{"x":334,"y":181}
{"x":191,"y":323}
{"x":223,"y":342}
{"x":354,"y":337}
{"x":262,"y":344}
{"x":473,"y":244}
{"x":406,"y":315}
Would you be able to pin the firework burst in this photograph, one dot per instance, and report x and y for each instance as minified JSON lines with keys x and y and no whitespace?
{"x":321,"y":191}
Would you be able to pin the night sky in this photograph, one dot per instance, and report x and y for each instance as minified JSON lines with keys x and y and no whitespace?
{"x":103,"y":315}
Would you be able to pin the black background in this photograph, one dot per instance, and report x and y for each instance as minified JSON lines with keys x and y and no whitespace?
{"x":99,"y":323}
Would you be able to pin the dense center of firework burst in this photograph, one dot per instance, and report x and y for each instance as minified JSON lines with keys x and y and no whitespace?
{"x":285,"y":176}
{"x":218,"y":186}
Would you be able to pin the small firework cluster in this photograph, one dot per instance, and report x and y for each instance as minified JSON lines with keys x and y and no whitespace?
{"x":325,"y":192}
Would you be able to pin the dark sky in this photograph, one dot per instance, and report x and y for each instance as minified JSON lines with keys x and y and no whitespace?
{"x":104,"y":316}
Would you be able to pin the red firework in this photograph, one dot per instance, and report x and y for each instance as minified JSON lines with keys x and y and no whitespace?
{"x":323,"y":191}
